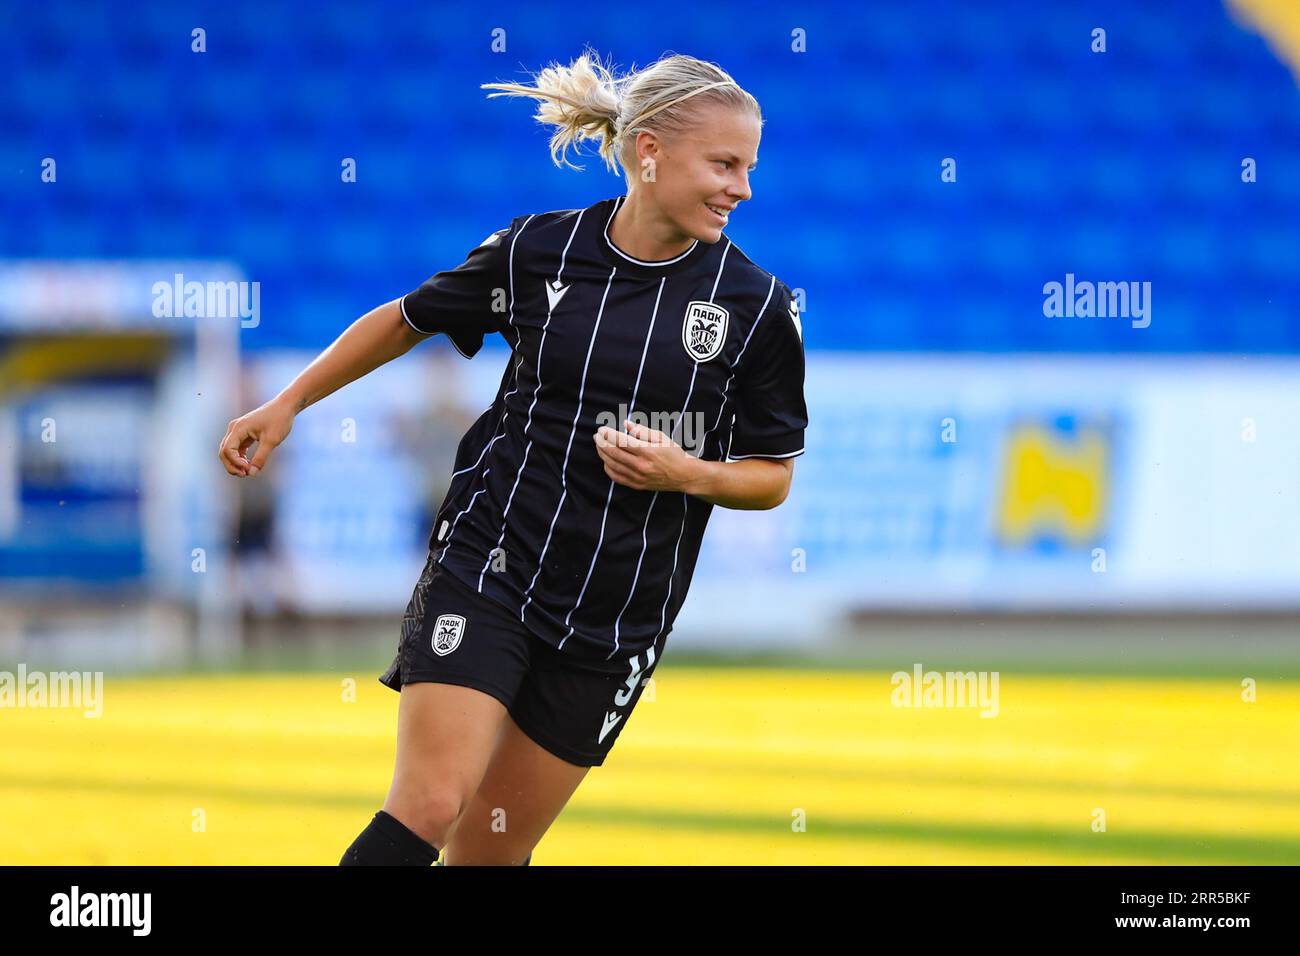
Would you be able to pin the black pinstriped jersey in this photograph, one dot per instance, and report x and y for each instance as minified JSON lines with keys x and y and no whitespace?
{"x":705,"y":347}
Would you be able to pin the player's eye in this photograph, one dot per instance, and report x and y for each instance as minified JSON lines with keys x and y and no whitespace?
{"x":723,"y":163}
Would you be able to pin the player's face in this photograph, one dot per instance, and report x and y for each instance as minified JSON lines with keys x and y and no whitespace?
{"x":708,"y":166}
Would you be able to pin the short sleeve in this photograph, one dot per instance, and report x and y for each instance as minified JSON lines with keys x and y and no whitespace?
{"x":469,"y":301}
{"x":771,"y":414}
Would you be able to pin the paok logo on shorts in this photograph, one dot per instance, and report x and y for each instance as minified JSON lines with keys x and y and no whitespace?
{"x":704,"y":330}
{"x":447,"y":632}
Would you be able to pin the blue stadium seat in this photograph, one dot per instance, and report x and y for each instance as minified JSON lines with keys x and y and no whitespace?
{"x":1124,"y":165}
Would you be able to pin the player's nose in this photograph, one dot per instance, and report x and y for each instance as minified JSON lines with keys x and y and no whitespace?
{"x":739,"y":189}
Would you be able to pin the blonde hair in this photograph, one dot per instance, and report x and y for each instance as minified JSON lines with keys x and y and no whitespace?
{"x":585,"y":100}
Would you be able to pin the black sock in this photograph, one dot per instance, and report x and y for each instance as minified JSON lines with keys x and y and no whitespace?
{"x":387,"y":842}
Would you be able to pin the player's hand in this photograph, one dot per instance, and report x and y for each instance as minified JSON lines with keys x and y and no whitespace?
{"x":267,"y":425}
{"x":644,"y":458}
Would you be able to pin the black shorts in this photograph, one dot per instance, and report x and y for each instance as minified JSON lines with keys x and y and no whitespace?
{"x":573,"y":706}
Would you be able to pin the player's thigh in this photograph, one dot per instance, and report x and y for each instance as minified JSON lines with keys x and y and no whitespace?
{"x":446,"y":734}
{"x":460,"y":662}
{"x":524,"y":789}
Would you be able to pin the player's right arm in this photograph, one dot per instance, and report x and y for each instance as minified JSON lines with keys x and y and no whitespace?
{"x":379,"y":336}
{"x":464,"y":303}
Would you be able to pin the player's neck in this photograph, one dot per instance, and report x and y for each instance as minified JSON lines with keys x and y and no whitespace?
{"x":641,"y":234}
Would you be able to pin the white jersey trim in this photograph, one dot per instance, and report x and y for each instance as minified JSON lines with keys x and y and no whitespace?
{"x":791,"y":454}
{"x":402,"y":304}
{"x":652,"y":263}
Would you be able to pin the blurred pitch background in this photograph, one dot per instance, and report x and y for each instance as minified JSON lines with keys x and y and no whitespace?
{"x":1102,"y":511}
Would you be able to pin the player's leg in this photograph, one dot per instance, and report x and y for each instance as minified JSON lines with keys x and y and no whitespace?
{"x":459,"y":664}
{"x":522,"y":792}
{"x":565,"y":719}
{"x":445,"y":738}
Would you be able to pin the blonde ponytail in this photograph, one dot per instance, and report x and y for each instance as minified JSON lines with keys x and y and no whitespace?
{"x":585,"y":100}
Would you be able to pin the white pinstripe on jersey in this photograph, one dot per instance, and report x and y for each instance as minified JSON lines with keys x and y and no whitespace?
{"x":564,"y":469}
{"x":722,"y":263}
{"x":510,"y":321}
{"x":610,"y":495}
{"x":536,"y":391}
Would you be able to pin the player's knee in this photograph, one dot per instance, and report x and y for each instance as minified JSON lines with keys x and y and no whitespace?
{"x":429,"y":811}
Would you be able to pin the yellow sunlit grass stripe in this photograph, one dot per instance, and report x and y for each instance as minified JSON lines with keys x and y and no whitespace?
{"x":714,"y":768}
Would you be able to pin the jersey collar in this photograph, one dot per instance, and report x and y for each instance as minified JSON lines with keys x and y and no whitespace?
{"x":649,"y":269}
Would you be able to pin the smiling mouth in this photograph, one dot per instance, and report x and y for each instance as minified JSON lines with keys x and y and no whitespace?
{"x":720,"y":213}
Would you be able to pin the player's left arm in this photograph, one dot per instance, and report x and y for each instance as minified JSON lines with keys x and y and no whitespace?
{"x":648,"y":460}
{"x":753,"y":484}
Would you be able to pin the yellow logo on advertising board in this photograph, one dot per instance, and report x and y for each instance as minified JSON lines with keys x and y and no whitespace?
{"x":1054,"y":485}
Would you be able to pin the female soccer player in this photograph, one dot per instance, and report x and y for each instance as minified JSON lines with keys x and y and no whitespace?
{"x":655,"y":372}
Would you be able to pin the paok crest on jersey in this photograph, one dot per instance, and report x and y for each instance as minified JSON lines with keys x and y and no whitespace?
{"x":704,"y":330}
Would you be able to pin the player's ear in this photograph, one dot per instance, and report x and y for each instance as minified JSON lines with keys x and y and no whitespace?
{"x":649,"y":146}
